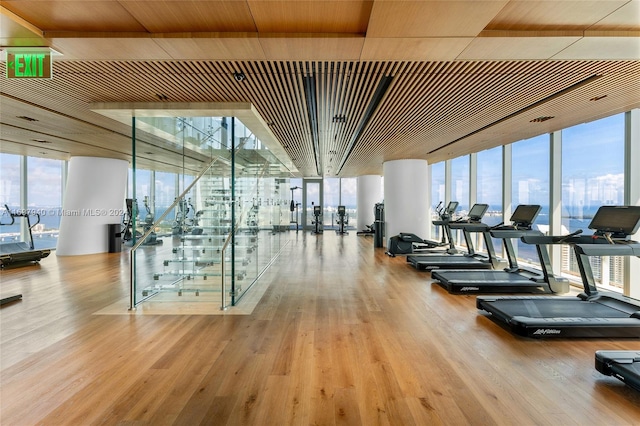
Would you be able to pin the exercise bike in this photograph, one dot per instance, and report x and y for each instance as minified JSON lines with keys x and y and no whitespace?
{"x":317,"y":221}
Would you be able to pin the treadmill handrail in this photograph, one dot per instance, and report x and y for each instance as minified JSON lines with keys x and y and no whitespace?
{"x":551,"y":239}
{"x":13,"y":219}
{"x":626,"y":248}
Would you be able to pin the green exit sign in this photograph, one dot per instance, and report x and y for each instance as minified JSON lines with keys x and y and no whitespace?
{"x":29,"y":64}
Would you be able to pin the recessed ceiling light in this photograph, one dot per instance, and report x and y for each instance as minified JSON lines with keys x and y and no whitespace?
{"x":541,"y":119}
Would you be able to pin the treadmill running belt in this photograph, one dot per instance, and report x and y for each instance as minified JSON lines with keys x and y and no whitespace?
{"x":480,"y":277}
{"x":533,"y":310}
{"x":559,"y":309}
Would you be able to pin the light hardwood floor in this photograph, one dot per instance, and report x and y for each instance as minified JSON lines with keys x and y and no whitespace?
{"x":342,"y":335}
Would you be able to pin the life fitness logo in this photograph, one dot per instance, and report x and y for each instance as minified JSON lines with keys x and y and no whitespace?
{"x":470,"y":289}
{"x":546,"y":331}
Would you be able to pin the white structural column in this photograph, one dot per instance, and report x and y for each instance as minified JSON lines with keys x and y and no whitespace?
{"x":369,"y":193}
{"x":632,"y":194}
{"x":94,"y":198}
{"x":406,"y":197}
{"x":555,"y":201}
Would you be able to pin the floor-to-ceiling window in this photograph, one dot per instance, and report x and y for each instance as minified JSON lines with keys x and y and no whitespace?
{"x":44,"y":195}
{"x":331,"y":201}
{"x":349,"y":199}
{"x":460,"y":190}
{"x":10,"y":190}
{"x":530,"y":185}
{"x":592,"y":176}
{"x":489,"y":188}
{"x":340,"y":192}
{"x":437,"y":196}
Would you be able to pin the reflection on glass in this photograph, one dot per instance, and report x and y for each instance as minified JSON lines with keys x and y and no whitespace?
{"x":460,"y":191}
{"x":437,"y":196}
{"x":489,"y":188}
{"x":349,"y":199}
{"x":530,"y":185}
{"x":331,"y":199}
{"x":9,"y":195}
{"x":44,"y":195}
{"x":589,"y":184}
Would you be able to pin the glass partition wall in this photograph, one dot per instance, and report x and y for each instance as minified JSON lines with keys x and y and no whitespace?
{"x":213,"y":240}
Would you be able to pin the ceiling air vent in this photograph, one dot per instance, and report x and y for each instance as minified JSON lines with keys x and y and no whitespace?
{"x":597,"y":98}
{"x":41,"y":141}
{"x":541,"y":119}
{"x":24,"y":117}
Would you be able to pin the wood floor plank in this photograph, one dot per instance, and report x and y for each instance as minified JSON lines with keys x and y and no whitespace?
{"x":343,"y":334}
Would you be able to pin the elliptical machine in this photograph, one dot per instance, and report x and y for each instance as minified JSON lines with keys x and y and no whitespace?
{"x":127,"y":220}
{"x":196,"y":229}
{"x":179,"y":226}
{"x":342,"y":221}
{"x":152,"y":239}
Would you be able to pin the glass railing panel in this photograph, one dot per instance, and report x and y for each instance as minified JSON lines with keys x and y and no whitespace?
{"x":262,"y":209}
{"x":226,"y":226}
{"x":177,"y":246}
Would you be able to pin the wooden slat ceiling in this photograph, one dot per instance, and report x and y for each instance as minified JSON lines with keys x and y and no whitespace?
{"x":464,"y":75}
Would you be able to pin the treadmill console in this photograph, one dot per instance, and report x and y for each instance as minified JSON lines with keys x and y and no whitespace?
{"x":616,"y":221}
{"x":451,"y":208}
{"x":477,"y":212}
{"x":525,"y":215}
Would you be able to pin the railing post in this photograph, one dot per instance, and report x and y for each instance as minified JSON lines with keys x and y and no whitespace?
{"x":222,"y":282}
{"x":132,"y":268}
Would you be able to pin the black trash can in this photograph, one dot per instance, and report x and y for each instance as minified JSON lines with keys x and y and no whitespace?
{"x":115,"y":237}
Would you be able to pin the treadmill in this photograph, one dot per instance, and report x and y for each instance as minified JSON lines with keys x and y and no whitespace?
{"x":514,"y":278}
{"x":623,"y":365}
{"x":592,"y":313}
{"x":469,"y":260}
{"x":21,"y":252}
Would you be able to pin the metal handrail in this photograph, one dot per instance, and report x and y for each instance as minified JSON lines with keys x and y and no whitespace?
{"x":156,"y":223}
{"x":223,"y":306}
